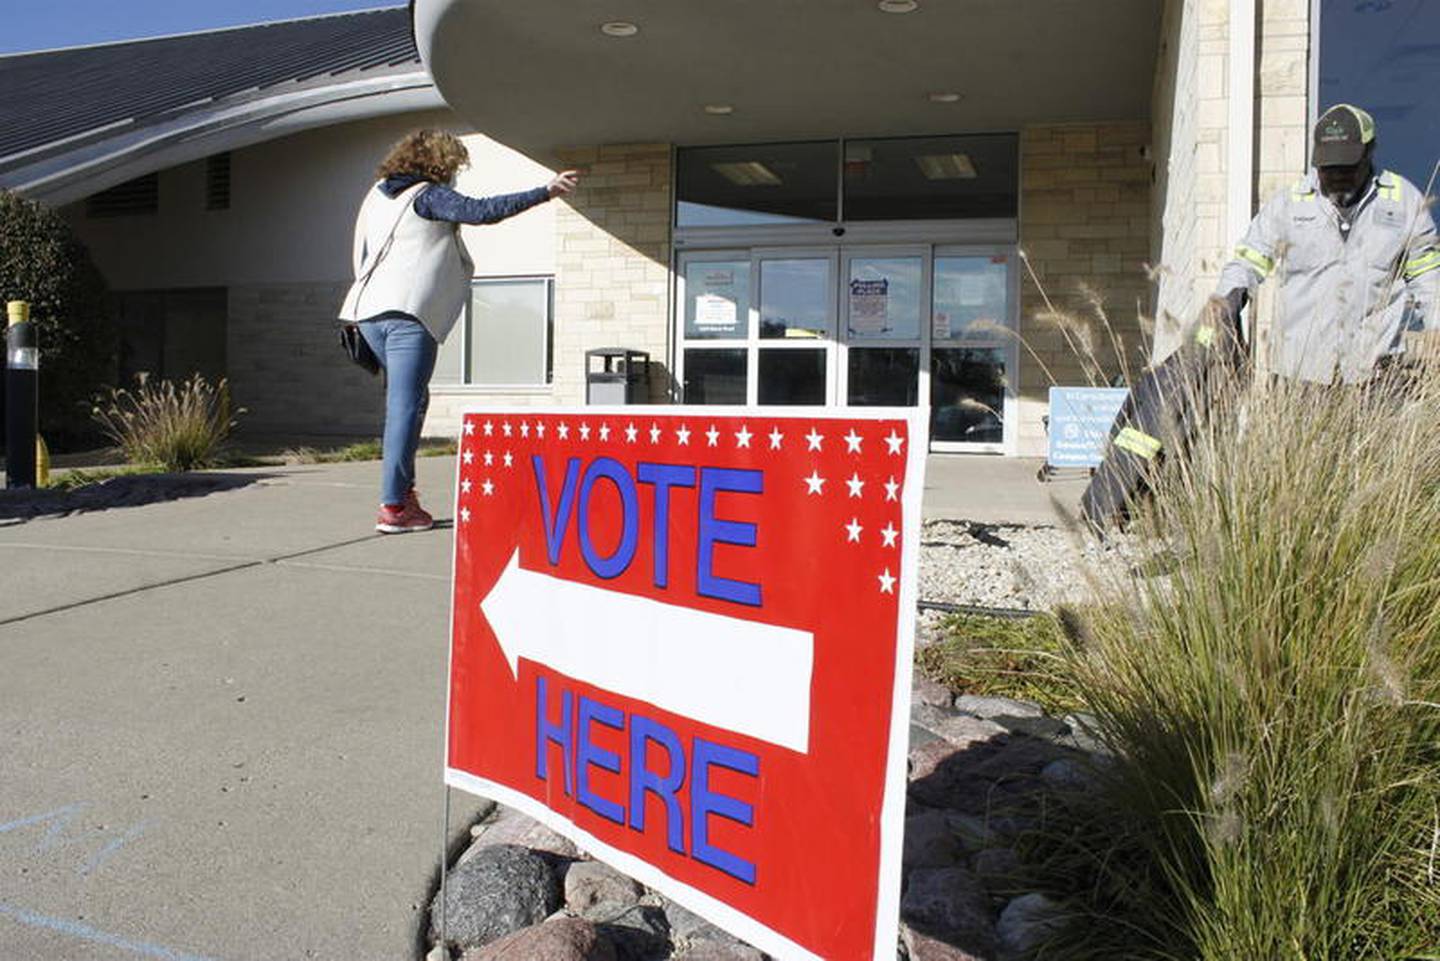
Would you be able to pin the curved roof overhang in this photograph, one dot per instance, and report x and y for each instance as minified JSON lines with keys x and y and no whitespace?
{"x":540,"y":74}
{"x":61,"y":172}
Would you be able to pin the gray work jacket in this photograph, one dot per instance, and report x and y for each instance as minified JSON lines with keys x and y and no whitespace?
{"x":1345,"y":296}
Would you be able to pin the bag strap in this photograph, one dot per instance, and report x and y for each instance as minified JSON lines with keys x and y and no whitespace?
{"x":364,"y":278}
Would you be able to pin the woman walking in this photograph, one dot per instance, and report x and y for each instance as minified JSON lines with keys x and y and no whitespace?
{"x":412,"y":275}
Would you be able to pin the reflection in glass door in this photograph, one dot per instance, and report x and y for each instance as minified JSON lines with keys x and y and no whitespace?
{"x":797,"y":327}
{"x":884,"y":298}
{"x":971,"y":350}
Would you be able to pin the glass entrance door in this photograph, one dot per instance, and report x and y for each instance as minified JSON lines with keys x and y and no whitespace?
{"x":856,"y":326}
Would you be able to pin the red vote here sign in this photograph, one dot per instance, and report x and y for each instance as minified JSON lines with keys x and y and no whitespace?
{"x":682,"y":637}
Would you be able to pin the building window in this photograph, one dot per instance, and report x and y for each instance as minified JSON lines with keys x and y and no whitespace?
{"x":757,"y":184}
{"x":1380,"y":55}
{"x":134,"y":197}
{"x":932,"y":178}
{"x":217,"y":182}
{"x":504,"y":338}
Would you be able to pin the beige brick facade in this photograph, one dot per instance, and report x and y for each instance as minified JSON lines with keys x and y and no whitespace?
{"x":612,"y":263}
{"x":1085,"y":232}
{"x":286,"y":368}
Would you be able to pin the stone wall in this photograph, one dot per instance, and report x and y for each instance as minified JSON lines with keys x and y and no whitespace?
{"x":286,"y":369}
{"x":1085,"y":232}
{"x":612,"y":257}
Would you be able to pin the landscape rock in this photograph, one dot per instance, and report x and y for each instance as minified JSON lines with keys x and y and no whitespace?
{"x":987,"y":706}
{"x":1027,"y":922}
{"x":950,"y":904}
{"x":564,"y":939}
{"x":922,"y":947}
{"x":962,"y":730}
{"x":588,"y":883}
{"x":930,"y":842}
{"x":707,"y":950}
{"x":509,"y":826}
{"x":638,"y":931}
{"x":996,"y":867}
{"x":930,"y":693}
{"x":499,"y":891}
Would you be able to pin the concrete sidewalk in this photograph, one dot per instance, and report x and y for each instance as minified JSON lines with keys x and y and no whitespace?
{"x":220,"y":725}
{"x":220,"y":718}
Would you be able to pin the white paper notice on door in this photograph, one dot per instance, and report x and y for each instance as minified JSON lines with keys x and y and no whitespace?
{"x":714,"y":311}
{"x":869,"y":306}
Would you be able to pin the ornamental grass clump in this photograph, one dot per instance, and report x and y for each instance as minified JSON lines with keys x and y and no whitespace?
{"x":178,"y":428}
{"x":1271,"y":693}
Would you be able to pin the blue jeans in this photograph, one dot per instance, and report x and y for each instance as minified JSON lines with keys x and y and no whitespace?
{"x":407,"y":352}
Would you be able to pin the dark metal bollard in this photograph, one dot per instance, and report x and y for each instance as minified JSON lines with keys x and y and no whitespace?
{"x":22,"y":399}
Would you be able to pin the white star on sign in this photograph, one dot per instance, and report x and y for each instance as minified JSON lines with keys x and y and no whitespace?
{"x":464,"y":514}
{"x":894,"y":441}
{"x":712,"y":436}
{"x":855,"y":484}
{"x":852,"y":442}
{"x":887,"y":582}
{"x":742,"y":436}
{"x":465,"y":486}
{"x":889,"y":533}
{"x":509,"y":461}
{"x":469,"y":427}
{"x":487,"y":488}
{"x":630,"y":434}
{"x":604,"y":431}
{"x":524,"y":429}
{"x":584,"y":431}
{"x":776,"y":438}
{"x":489,"y":429}
{"x":563,"y":430}
{"x":539,"y":429}
{"x":814,"y":439}
{"x":891,"y":486}
{"x":505,"y":428}
{"x":815,"y":482}
{"x":854,"y":528}
{"x":468,"y":456}
{"x":654,"y":433}
{"x":682,"y":434}
{"x":489,"y":458}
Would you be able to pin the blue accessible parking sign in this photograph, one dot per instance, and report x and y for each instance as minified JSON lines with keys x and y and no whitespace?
{"x":1080,"y":422}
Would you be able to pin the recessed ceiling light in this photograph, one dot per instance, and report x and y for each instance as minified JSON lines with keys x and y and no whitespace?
{"x":899,"y":6}
{"x":950,"y":166}
{"x":719,"y":109}
{"x":747,"y":173}
{"x":945,"y":97}
{"x":619,"y":28}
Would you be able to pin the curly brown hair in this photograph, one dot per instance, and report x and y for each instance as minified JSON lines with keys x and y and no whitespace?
{"x":432,"y":154}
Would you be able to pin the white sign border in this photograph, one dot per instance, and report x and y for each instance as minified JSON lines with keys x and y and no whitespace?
{"x":892,"y":814}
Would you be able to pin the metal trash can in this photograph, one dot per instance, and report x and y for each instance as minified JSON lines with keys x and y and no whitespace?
{"x":621,"y":377}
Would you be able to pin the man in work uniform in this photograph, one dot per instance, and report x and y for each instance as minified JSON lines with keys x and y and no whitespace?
{"x":1357,"y":256}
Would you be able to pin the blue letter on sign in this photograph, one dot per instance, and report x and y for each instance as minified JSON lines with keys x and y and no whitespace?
{"x":704,"y":802}
{"x":642,"y":779}
{"x":588,"y":753}
{"x":664,"y":476}
{"x":545,"y":731}
{"x":616,"y":563}
{"x":713,"y":530}
{"x":555,"y":525}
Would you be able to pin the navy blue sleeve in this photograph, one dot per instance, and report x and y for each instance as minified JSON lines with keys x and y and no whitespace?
{"x":439,"y":202}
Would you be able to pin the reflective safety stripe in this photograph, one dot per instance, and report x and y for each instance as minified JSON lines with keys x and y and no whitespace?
{"x":1138,"y":442}
{"x":1302,"y":191}
{"x":1205,"y":335}
{"x":1391,"y":190}
{"x":1255,"y":259}
{"x":1423,"y":264}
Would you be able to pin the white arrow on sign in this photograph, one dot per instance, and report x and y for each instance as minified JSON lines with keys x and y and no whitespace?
{"x":734,"y":674}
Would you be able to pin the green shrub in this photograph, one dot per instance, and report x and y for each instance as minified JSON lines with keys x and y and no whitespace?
{"x":157,"y":423}
{"x":1005,"y":657}
{"x":1273,"y":697}
{"x":42,"y":262}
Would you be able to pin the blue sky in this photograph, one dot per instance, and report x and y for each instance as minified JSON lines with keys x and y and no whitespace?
{"x":47,"y":24}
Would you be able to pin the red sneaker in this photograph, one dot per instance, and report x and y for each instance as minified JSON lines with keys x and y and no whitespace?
{"x":408,"y":517}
